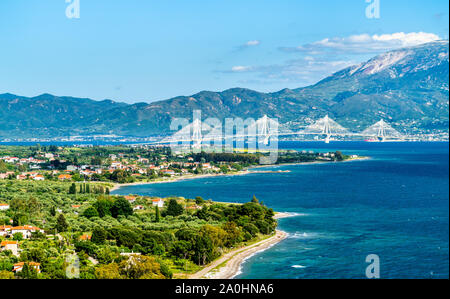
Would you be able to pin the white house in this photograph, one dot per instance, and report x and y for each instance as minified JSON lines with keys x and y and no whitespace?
{"x":39,"y":177}
{"x":25,"y":230}
{"x":138,"y":208}
{"x":4,"y":230}
{"x":158,"y":202}
{"x":72,"y":168}
{"x":19,"y":266}
{"x":4,"y":206}
{"x":10,"y":245}
{"x":131,"y":199}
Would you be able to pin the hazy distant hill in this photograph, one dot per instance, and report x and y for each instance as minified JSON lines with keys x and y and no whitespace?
{"x":407,"y":87}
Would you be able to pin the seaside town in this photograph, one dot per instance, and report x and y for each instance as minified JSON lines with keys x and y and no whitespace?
{"x":136,"y":163}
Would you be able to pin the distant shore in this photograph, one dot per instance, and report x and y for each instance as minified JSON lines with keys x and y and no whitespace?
{"x":236,"y":173}
{"x":180,"y":178}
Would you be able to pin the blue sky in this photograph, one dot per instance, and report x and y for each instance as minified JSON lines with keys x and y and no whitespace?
{"x":145,"y":50}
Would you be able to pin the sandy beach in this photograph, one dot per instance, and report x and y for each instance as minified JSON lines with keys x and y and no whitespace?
{"x":180,"y":178}
{"x":233,"y":259}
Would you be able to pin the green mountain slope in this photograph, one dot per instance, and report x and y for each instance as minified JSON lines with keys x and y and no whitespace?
{"x":406,"y":87}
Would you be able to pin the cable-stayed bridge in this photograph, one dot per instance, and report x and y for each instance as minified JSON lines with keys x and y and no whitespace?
{"x":266,"y":128}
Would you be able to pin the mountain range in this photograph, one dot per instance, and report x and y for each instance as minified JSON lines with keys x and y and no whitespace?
{"x":408,"y":88}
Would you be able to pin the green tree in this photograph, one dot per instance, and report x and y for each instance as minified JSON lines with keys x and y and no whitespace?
{"x":90,"y":212}
{"x":174,"y":208}
{"x":110,"y":271}
{"x":106,"y":255}
{"x":73,"y":189}
{"x":157,"y":214}
{"x":339,"y":156}
{"x":181,"y":249}
{"x":6,"y":275}
{"x":203,"y":248}
{"x":121,"y":207}
{"x":234,"y":234}
{"x":53,"y":211}
{"x":18,"y":237}
{"x":20,"y":219}
{"x":199,"y":200}
{"x":99,"y":235}
{"x":61,"y":224}
{"x":103,"y":206}
{"x":141,"y":267}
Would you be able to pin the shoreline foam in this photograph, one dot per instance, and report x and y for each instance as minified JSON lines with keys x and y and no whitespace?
{"x":234,"y":259}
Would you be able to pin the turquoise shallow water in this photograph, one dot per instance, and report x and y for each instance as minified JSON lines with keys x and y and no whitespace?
{"x":395,"y":205}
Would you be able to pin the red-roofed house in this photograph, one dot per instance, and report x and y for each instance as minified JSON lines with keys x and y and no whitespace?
{"x":85,"y":237}
{"x":25,"y":230}
{"x":10,"y":245}
{"x":19,"y":266}
{"x":130,"y":198}
{"x":158,"y":202}
{"x":64,"y":177}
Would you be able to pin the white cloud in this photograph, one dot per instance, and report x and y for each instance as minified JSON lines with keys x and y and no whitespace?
{"x":252,"y":43}
{"x":365,"y":43}
{"x":304,"y":71}
{"x":241,"y":68}
{"x":319,"y":59}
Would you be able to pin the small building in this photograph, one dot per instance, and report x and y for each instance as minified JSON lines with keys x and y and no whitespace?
{"x":25,"y":230}
{"x":206,"y":166}
{"x":4,"y":206}
{"x":159,"y":202}
{"x":168,"y":172}
{"x":39,"y":177}
{"x":64,"y":177}
{"x":130,"y":198}
{"x":21,"y":177}
{"x":5,"y":230}
{"x":19,"y":266}
{"x":72,"y":168}
{"x":85,"y":237}
{"x":13,"y":246}
{"x":138,"y":208}
{"x":3,"y":176}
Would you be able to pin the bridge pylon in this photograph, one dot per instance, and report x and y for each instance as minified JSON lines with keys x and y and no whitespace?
{"x":382,"y":131}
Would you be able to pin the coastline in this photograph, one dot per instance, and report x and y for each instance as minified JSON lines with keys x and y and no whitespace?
{"x":229,"y":265}
{"x":180,"y":178}
{"x":242,"y":172}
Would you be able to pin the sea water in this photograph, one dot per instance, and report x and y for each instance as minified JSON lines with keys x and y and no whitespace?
{"x":394,"y":205}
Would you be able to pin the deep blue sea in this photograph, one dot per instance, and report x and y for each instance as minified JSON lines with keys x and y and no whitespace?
{"x":395,"y":205}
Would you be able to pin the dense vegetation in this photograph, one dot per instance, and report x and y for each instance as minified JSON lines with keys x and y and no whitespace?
{"x":102,"y":231}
